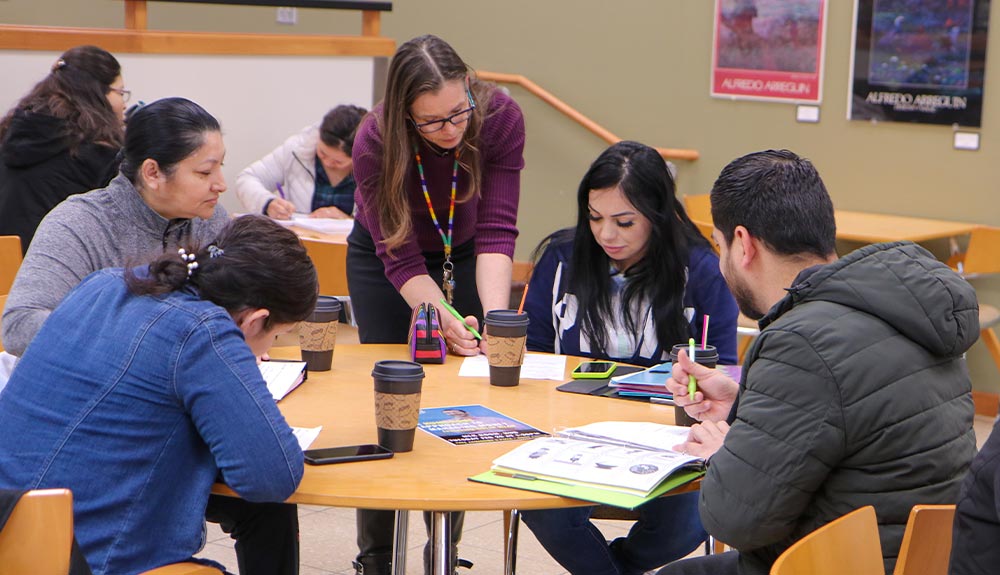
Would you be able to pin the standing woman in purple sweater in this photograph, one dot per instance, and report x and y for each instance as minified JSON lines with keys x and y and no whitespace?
{"x":438,"y":169}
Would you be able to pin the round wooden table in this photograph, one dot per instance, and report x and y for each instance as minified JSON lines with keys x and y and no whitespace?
{"x":434,"y":476}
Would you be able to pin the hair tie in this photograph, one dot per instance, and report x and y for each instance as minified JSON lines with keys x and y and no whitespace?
{"x":215,"y":251}
{"x":189,"y":260}
{"x":59,"y":65}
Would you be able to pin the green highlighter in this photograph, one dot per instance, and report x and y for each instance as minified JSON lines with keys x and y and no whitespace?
{"x":459,"y":317}
{"x":692,"y":382}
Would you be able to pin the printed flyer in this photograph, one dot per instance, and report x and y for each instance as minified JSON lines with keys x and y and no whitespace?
{"x":468,"y":424}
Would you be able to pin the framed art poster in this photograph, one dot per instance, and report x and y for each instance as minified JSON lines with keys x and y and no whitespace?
{"x":919,"y":61}
{"x":769,"y":50}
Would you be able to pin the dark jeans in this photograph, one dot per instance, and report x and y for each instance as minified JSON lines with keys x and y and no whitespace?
{"x":266,"y":534}
{"x":375,"y":534}
{"x":668,"y":528}
{"x":382,"y":315}
{"x":721,"y":564}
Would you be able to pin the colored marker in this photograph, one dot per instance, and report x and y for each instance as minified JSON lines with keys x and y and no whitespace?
{"x":692,"y":382}
{"x":459,"y":317}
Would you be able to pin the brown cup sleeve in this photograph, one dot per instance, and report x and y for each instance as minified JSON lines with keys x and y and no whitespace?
{"x":317,"y":336}
{"x":505,"y":351}
{"x":396,"y":410}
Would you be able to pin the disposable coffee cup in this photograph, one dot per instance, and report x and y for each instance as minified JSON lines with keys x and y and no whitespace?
{"x":707,"y":356}
{"x":397,"y":402}
{"x":506,"y":334}
{"x":318,"y":334}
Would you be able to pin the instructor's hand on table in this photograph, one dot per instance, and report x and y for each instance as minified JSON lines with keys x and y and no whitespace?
{"x":280,"y":209}
{"x":716,"y":391}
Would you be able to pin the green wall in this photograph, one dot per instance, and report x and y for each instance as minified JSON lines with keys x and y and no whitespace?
{"x":641,"y":68}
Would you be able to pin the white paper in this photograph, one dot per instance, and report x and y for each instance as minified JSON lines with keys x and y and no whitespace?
{"x":535,"y":366}
{"x":306,"y":435}
{"x":324,"y":225}
{"x":281,"y":377}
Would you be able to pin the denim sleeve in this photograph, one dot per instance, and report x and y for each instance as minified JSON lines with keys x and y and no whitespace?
{"x":221,"y":388}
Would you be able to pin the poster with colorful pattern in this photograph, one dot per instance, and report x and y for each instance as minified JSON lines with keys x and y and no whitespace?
{"x":919,"y":61}
{"x":769,"y":50}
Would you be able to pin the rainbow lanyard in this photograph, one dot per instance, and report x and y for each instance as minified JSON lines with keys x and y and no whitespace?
{"x":447,"y":277}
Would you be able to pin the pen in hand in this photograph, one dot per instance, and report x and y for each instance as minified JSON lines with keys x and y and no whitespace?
{"x":458,"y":316}
{"x":281,"y":191}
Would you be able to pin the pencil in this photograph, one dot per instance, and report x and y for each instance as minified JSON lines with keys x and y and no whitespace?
{"x":520,"y":308}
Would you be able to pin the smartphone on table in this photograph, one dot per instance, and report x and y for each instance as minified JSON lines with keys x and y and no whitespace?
{"x":594,"y":369}
{"x":346,"y":453}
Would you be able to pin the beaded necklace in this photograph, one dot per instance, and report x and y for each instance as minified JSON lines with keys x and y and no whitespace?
{"x":447,"y":277}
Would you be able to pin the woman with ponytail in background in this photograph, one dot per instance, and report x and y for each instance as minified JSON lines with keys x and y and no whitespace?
{"x":61,"y":138}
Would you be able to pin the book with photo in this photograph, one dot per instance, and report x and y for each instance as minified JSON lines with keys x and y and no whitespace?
{"x":614,"y":462}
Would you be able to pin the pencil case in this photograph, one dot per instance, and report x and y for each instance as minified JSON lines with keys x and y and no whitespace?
{"x":427,"y":345}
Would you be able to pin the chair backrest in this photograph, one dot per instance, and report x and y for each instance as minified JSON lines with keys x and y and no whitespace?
{"x":983,"y":254}
{"x":706,"y":230}
{"x":849,"y":544}
{"x":330,"y":260}
{"x":38,"y":536}
{"x":10,"y":261}
{"x":927,"y":541}
{"x":698,"y":208}
{"x":3,"y":303}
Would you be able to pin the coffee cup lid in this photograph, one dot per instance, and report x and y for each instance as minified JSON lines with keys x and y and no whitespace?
{"x":506,"y":317}
{"x":327,"y":303}
{"x":390,"y":368}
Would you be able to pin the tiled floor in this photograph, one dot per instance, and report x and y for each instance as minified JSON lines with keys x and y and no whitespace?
{"x":328,"y":546}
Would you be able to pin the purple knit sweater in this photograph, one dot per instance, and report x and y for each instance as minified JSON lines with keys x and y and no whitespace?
{"x":490,"y":218}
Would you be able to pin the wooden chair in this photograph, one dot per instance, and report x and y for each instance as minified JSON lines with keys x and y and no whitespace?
{"x":849,"y":544}
{"x":983,"y":258}
{"x":330,"y":260}
{"x":3,"y":303}
{"x":38,"y":536}
{"x":698,"y":207}
{"x":186,"y":568}
{"x":10,"y":261}
{"x":926,"y":544}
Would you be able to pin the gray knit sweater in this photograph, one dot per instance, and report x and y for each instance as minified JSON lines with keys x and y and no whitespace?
{"x":109,"y":227}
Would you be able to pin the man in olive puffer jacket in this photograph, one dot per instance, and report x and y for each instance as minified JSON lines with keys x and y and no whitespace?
{"x":855,"y":393}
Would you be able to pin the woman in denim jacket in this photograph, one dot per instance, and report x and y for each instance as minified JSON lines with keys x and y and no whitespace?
{"x":152,"y":393}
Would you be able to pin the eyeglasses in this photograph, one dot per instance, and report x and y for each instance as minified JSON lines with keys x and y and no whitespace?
{"x":125,"y":94}
{"x":456,"y":119}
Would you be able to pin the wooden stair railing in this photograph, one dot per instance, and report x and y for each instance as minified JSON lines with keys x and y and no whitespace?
{"x":573,"y":114}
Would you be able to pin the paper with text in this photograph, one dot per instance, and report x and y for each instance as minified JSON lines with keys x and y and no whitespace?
{"x":535,"y":366}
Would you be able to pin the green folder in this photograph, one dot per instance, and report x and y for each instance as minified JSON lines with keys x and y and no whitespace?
{"x":587,"y":493}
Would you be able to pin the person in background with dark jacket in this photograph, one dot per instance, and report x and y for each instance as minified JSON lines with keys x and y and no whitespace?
{"x":634,"y":277}
{"x":60,"y":139}
{"x":855,"y":393}
{"x":976,"y":532}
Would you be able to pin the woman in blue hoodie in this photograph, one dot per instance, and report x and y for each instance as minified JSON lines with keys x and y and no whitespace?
{"x":61,"y":139}
{"x":633,"y":278}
